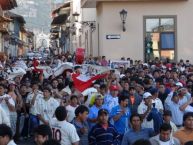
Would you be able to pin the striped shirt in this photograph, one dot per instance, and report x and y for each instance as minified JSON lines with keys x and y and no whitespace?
{"x":98,"y":135}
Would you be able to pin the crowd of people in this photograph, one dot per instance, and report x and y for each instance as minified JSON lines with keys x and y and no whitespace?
{"x":143,"y":104}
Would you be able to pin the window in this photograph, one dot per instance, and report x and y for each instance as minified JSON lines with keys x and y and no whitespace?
{"x":160,"y":37}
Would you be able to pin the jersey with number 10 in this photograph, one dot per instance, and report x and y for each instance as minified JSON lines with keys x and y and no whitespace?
{"x":64,"y":132}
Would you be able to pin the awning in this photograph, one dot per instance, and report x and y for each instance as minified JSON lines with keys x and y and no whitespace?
{"x":61,"y":19}
{"x":15,"y":16}
{"x":65,"y":6}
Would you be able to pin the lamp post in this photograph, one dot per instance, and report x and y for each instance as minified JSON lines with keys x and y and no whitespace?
{"x":123,"y":15}
{"x":76,"y":15}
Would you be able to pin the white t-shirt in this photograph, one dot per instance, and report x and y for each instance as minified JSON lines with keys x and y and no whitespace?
{"x":158,"y":104}
{"x":4,"y":104}
{"x":165,"y":143}
{"x":4,"y":119}
{"x":46,"y":108}
{"x":70,"y":112}
{"x":64,"y":132}
{"x":142,"y":108}
{"x":11,"y":143}
{"x":32,"y":109}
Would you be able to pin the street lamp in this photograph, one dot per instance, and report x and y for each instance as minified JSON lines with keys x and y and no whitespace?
{"x":76,"y":15}
{"x":123,"y":15}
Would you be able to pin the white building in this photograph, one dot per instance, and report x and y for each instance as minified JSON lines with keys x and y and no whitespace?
{"x":159,"y":28}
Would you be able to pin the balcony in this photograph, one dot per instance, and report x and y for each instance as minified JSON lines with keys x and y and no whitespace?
{"x":93,"y":3}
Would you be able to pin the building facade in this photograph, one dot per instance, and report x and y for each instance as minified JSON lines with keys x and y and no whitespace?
{"x":159,"y":28}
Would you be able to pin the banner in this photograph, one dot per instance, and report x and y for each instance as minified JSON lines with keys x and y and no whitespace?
{"x":92,"y":70}
{"x":114,"y":64}
{"x":89,"y":74}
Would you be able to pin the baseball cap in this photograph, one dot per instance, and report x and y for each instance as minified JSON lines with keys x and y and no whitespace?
{"x":114,"y":88}
{"x":146,"y":95}
{"x":179,"y":84}
{"x":154,"y":90}
{"x":103,"y":111}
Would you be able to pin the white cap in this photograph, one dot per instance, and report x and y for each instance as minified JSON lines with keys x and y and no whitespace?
{"x":122,"y":75}
{"x":146,"y":95}
{"x":179,"y":84}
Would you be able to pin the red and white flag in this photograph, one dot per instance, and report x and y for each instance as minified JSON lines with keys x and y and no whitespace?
{"x":82,"y":82}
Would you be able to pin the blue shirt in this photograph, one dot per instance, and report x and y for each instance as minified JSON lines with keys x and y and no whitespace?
{"x":100,"y":136}
{"x":157,"y":119}
{"x":177,"y":114}
{"x":131,"y":136}
{"x":83,"y":136}
{"x":122,"y":125}
{"x":110,"y":102}
{"x":93,"y":113}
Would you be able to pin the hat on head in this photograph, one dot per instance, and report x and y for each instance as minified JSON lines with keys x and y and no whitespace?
{"x":146,"y":95}
{"x":114,"y":88}
{"x":153,"y":90}
{"x":179,"y":84}
{"x":103,"y":111}
{"x":122,"y":76}
{"x":77,"y":67}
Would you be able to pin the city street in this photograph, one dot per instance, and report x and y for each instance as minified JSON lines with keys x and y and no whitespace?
{"x":96,"y":72}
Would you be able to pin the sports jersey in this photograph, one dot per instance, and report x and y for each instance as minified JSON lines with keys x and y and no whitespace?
{"x":46,"y":108}
{"x":64,"y":132}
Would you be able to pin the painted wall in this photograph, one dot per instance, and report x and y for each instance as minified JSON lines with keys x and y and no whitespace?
{"x":131,"y":42}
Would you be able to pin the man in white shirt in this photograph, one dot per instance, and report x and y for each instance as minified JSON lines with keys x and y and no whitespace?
{"x":62,"y":130}
{"x":4,"y":119}
{"x":46,"y":106}
{"x":6,"y":135}
{"x":144,"y":109}
{"x":32,"y":98}
{"x":156,"y":101}
{"x":71,"y":108}
{"x":164,"y":137}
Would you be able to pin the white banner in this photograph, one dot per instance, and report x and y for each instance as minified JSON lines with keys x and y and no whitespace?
{"x":93,"y":70}
{"x":119,"y":63}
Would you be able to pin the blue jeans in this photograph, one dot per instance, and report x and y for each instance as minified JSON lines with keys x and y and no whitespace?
{"x":33,"y":123}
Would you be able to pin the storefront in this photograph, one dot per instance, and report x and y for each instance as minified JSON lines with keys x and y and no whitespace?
{"x":152,"y":28}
